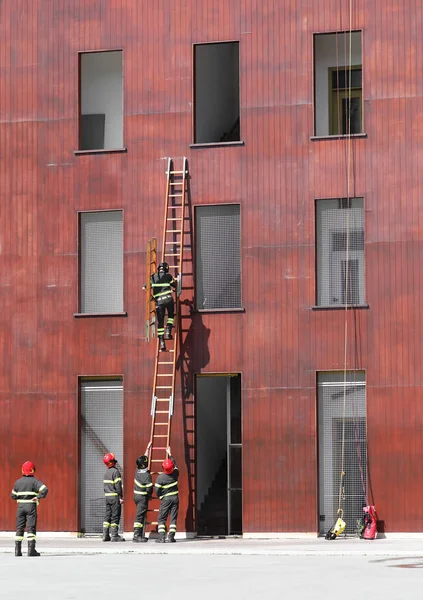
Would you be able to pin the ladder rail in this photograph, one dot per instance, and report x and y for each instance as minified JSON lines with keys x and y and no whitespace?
{"x":150,"y":312}
{"x":165,"y":370}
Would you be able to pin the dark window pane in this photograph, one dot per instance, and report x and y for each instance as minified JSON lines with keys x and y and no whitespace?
{"x":236,"y":512}
{"x":341,"y":79}
{"x":235,"y":467}
{"x":235,"y":410}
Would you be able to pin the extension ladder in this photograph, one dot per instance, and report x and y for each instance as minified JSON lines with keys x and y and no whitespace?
{"x":165,"y":363}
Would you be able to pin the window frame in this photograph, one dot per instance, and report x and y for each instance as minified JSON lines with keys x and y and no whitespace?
{"x":333,"y":104}
{"x":340,"y":306}
{"x":80,"y":314}
{"x":240,"y":309}
{"x":318,"y":137}
{"x":123,"y":149}
{"x":195,"y":144}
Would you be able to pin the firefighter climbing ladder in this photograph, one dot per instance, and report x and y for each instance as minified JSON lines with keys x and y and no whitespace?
{"x":165,"y":363}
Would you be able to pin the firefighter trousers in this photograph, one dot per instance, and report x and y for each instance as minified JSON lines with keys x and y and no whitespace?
{"x":113,"y":512}
{"x":142,"y":506}
{"x":160,"y":313}
{"x":169,"y":504}
{"x":26,"y":516}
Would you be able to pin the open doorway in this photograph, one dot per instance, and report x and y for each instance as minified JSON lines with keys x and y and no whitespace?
{"x":219,"y":454}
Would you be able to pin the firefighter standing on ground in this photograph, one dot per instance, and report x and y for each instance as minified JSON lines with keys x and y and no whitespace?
{"x":27,"y":491}
{"x":168,"y":493}
{"x":162,"y":283}
{"x":113,"y":493}
{"x":143,"y":490}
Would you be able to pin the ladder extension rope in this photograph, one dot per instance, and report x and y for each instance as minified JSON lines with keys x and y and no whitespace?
{"x":347,"y":236}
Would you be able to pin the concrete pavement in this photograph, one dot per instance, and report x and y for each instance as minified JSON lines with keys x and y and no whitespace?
{"x":395,"y":546}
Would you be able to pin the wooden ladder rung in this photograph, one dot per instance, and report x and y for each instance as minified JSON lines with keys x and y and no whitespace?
{"x":159,"y":435}
{"x":177,"y":172}
{"x":173,"y":231}
{"x":162,"y":412}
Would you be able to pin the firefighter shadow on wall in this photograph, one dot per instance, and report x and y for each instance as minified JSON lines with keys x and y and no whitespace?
{"x":193,"y":357}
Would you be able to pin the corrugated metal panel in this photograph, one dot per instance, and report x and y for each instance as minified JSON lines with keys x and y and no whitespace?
{"x":342,"y":447}
{"x":101,"y":432}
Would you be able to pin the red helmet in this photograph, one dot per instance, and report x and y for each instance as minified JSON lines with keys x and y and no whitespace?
{"x":109,"y":459}
{"x":28,"y":468}
{"x":168,"y":466}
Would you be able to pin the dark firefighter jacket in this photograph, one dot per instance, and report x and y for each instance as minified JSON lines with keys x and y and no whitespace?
{"x":161,"y":287}
{"x":167,"y":485}
{"x":143,"y":486}
{"x":112,"y":483}
{"x":27,"y":488}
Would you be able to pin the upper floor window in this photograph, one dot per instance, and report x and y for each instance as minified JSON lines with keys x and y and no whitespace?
{"x":340,"y":252}
{"x":338,"y":84}
{"x":216,"y":102}
{"x":101,"y":101}
{"x":218,"y":256}
{"x":101,"y":262}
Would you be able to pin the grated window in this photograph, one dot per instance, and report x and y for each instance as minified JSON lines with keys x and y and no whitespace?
{"x":218,"y":256}
{"x":101,"y":264}
{"x":101,"y":421}
{"x":335,"y":423}
{"x":340,"y":252}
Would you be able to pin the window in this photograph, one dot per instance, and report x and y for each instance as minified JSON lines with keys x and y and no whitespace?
{"x":338,"y":88}
{"x":216,"y":102}
{"x":101,"y":262}
{"x":101,"y":431}
{"x":340,"y":251}
{"x":101,"y":101}
{"x":342,"y":430}
{"x":218,"y":256}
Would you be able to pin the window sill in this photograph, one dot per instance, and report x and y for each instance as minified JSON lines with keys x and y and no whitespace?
{"x":316,"y":138}
{"x":101,"y":151}
{"x":340,"y":307}
{"x":216,"y":144}
{"x":217,"y":310}
{"x":95,"y":315}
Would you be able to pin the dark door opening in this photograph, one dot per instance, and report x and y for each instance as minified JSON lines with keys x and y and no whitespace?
{"x":219,"y":454}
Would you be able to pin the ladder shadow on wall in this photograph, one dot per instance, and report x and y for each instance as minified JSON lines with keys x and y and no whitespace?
{"x":193,"y":356}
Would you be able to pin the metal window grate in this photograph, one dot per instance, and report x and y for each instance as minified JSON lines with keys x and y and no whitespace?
{"x":101,"y":432}
{"x":101,"y":235}
{"x":332,"y":422}
{"x":340,"y":229}
{"x":218,"y":257}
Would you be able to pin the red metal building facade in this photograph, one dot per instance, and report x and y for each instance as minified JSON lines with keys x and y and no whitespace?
{"x":279,"y":342}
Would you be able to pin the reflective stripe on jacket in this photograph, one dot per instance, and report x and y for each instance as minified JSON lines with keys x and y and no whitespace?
{"x":161,"y":286}
{"x":112,"y":483}
{"x":143,"y":486}
{"x":27,"y":488}
{"x":167,"y":485}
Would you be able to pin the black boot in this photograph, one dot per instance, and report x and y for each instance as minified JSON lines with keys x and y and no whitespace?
{"x":31,"y":549}
{"x":18,"y":548}
{"x":162,"y":538}
{"x":168,"y":334}
{"x":162,"y":344}
{"x":106,"y":535}
{"x":138,"y":537}
{"x":115,"y":537}
{"x":171,"y":538}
